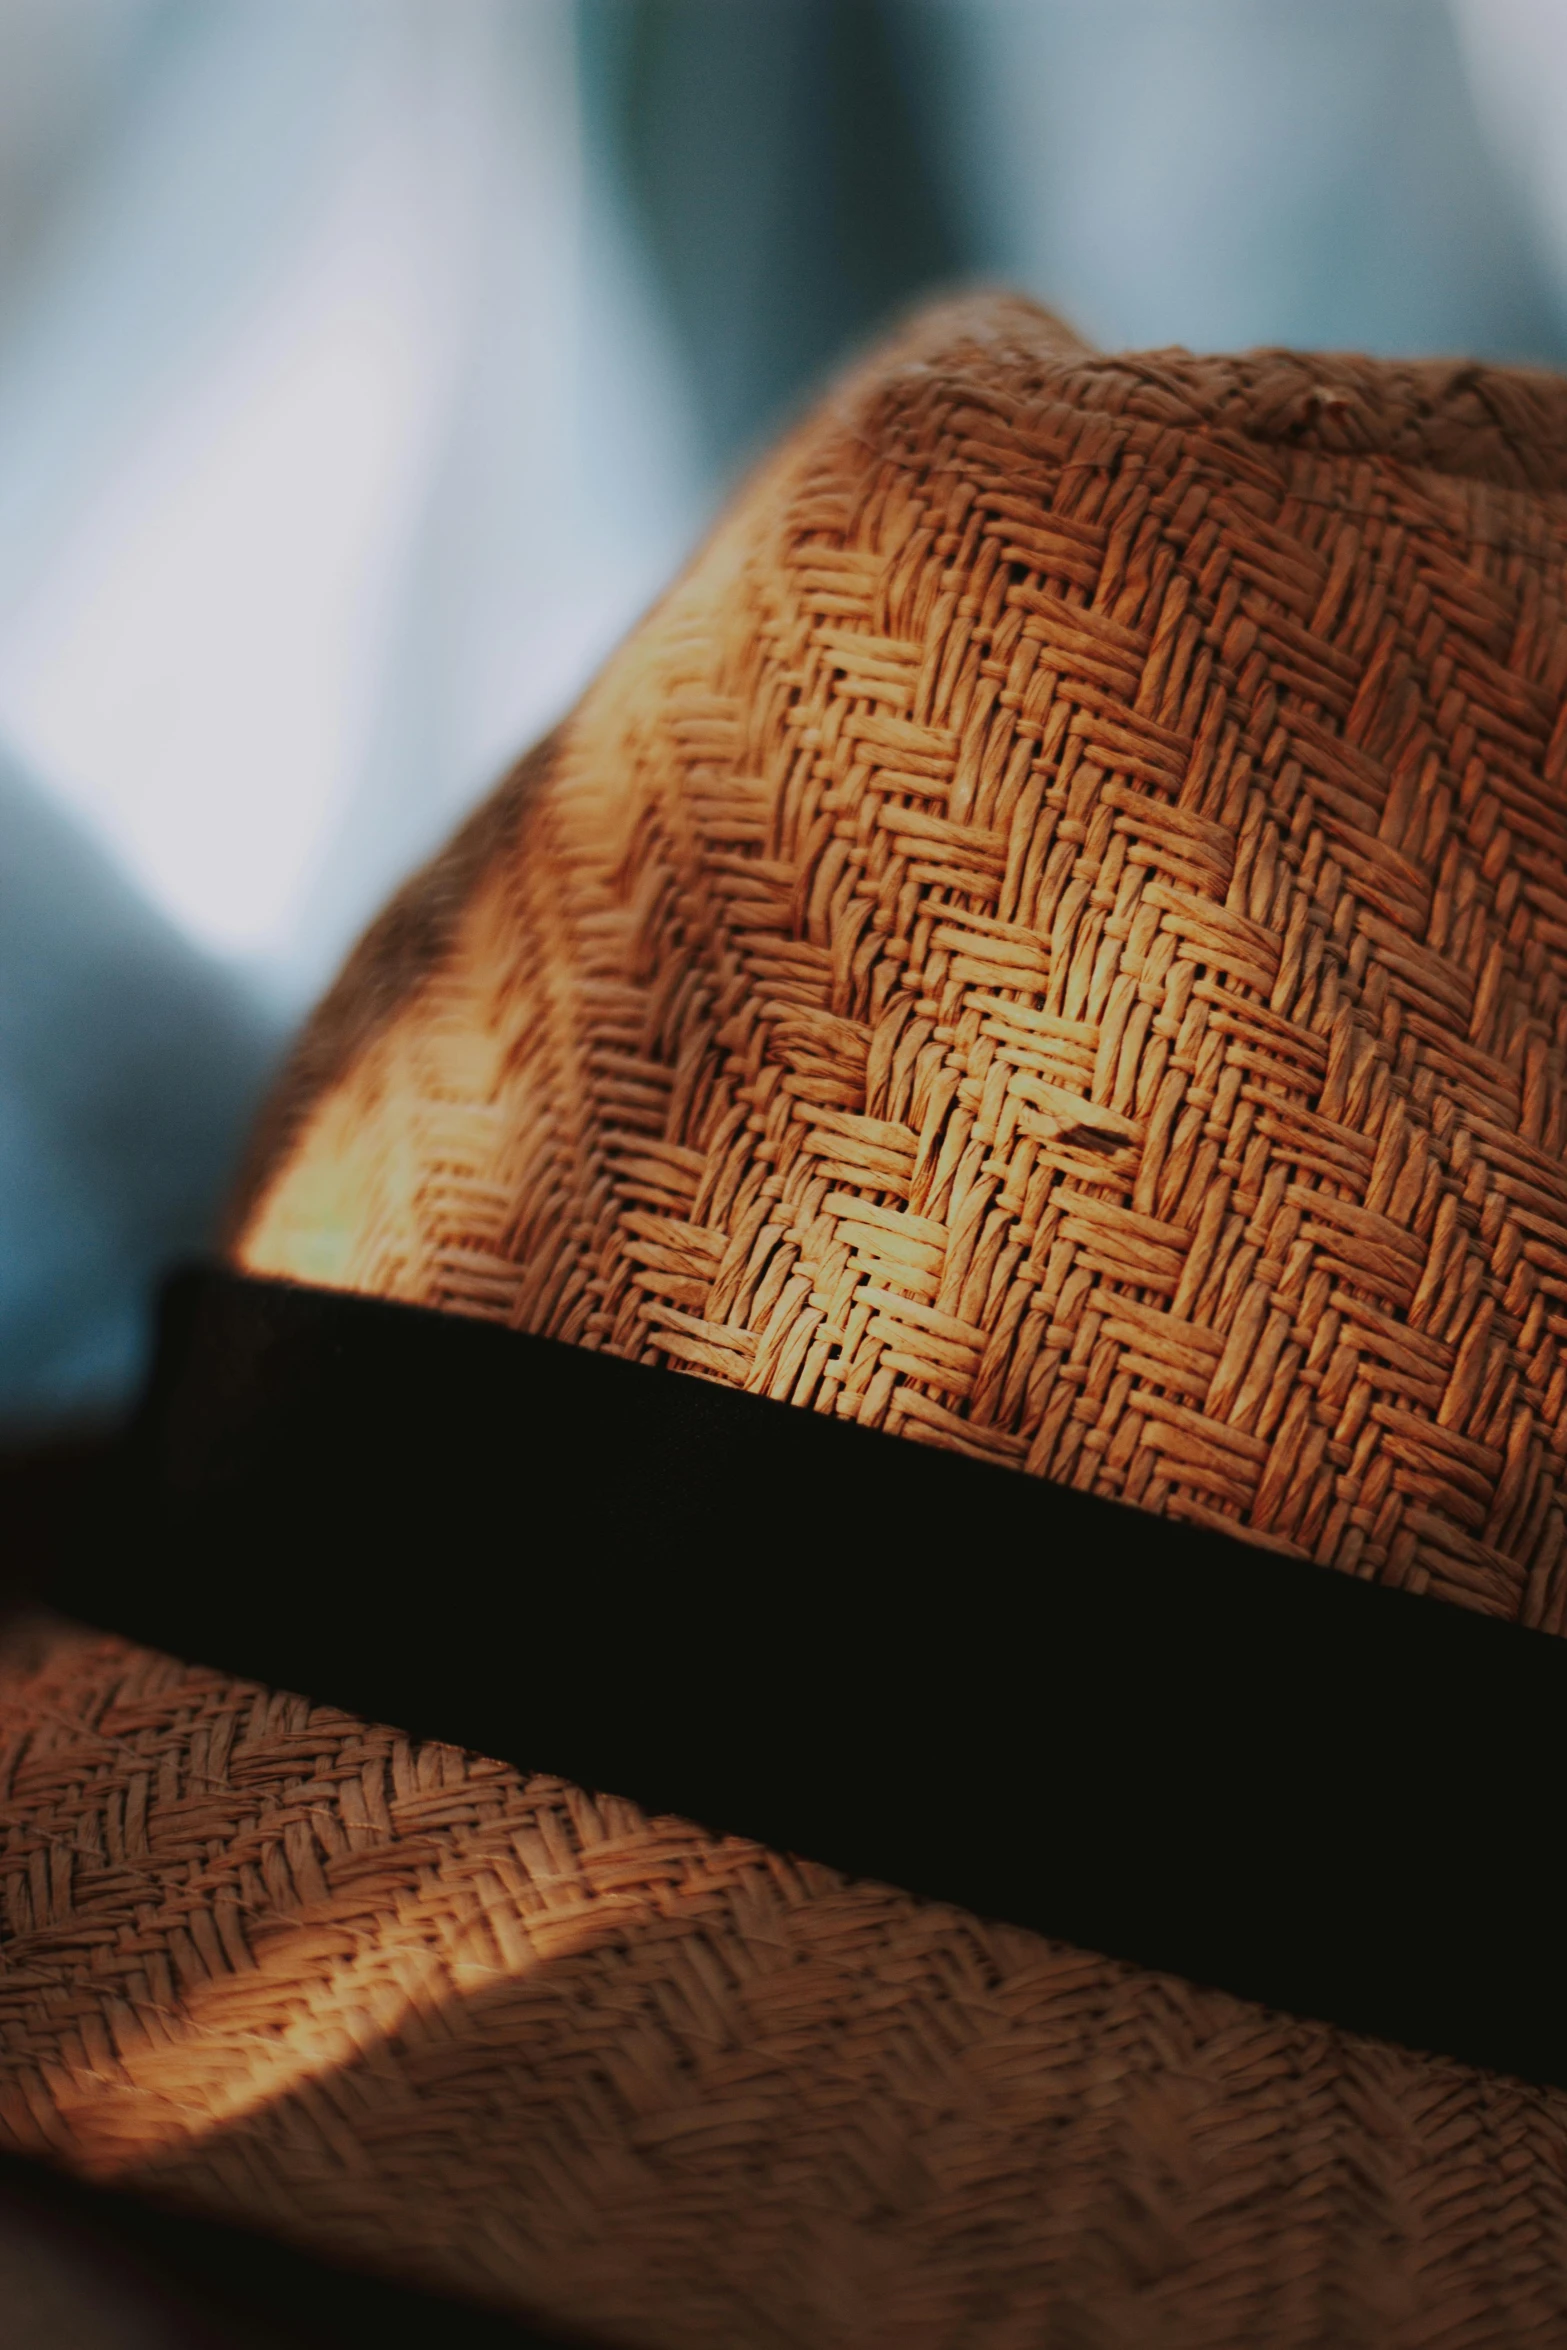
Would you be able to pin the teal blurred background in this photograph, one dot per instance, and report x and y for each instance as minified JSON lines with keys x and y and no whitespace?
{"x":366,"y":365}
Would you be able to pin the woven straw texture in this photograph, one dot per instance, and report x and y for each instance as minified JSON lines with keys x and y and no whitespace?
{"x":407,"y":2006}
{"x":1049,"y":941}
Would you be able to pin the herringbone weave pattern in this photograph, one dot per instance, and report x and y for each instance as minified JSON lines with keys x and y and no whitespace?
{"x":1051,"y":941}
{"x":525,"y":2043}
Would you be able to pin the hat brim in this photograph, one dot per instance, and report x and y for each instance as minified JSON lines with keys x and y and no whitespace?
{"x":551,"y":2049}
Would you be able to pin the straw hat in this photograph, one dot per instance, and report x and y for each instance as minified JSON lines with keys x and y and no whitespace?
{"x":1048,"y":945}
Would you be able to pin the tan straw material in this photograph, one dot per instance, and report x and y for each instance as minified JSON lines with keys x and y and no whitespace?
{"x":527,"y":2044}
{"x":1049,"y":941}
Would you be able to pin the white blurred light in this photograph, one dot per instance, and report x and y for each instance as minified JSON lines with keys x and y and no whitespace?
{"x":355,"y":531}
{"x":196,"y":667}
{"x":1516,"y":53}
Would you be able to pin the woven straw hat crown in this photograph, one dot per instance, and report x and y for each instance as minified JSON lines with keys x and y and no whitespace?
{"x":1049,"y":941}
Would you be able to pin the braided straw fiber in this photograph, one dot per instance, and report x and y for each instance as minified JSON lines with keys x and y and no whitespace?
{"x":407,"y":2006}
{"x":1049,"y":941}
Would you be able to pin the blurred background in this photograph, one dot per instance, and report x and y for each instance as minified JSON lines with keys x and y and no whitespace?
{"x":366,"y":365}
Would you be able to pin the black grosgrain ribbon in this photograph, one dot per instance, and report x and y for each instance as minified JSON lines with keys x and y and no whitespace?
{"x":1131,"y":1734}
